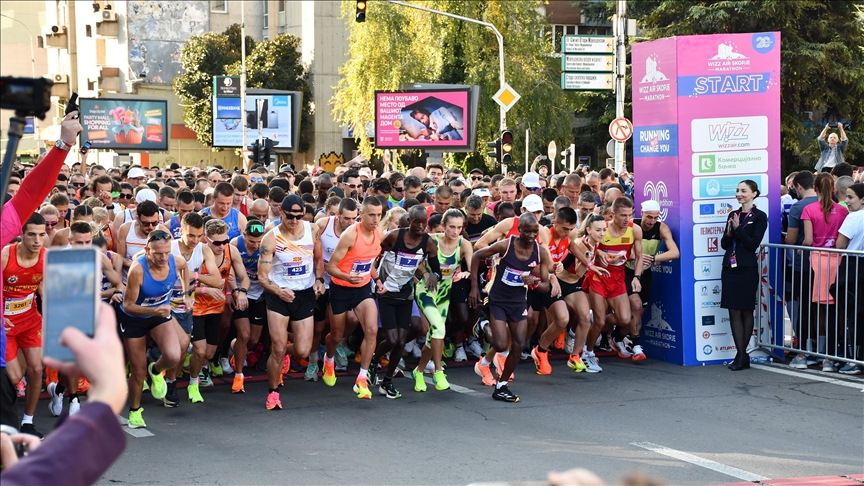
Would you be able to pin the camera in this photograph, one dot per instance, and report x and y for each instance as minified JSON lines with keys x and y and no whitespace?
{"x":20,"y":449}
{"x":26,"y":96}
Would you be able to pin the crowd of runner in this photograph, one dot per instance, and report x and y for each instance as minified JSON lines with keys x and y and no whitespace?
{"x":214,"y":273}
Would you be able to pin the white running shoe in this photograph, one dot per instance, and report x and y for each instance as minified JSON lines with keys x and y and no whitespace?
{"x":430,"y":367}
{"x":828,"y":366}
{"x":638,"y":353}
{"x":591,"y":362}
{"x":56,"y":403}
{"x":571,"y":342}
{"x":460,"y":356}
{"x":226,"y":365}
{"x":475,"y":349}
{"x":799,"y":363}
{"x":74,"y":406}
{"x":417,"y":351}
{"x":620,"y":348}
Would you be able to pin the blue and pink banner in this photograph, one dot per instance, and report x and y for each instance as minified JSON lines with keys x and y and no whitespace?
{"x":706,"y":115}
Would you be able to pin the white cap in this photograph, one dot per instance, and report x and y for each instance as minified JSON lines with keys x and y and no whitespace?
{"x":650,"y":205}
{"x":532,"y":204}
{"x":145,"y":195}
{"x":482,"y":192}
{"x":531,"y":179}
{"x":364,"y":171}
{"x":135,"y":172}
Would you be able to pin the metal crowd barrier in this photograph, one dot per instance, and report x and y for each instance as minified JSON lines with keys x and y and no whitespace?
{"x":811,"y":301}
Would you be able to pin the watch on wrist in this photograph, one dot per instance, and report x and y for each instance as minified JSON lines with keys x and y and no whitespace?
{"x":320,"y":279}
{"x":60,"y":144}
{"x":638,"y":277}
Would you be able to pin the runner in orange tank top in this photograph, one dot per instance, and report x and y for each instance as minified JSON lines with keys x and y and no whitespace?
{"x":352,"y":267}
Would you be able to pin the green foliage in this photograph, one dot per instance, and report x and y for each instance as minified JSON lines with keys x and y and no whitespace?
{"x":822,"y":54}
{"x":270,"y":64}
{"x":399,"y":46}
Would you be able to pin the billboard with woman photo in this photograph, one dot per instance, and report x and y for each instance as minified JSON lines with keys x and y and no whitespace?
{"x":431,"y":119}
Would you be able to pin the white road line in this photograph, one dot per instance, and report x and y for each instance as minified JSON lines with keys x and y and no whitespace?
{"x":138,"y":433}
{"x":456,"y":388}
{"x":700,"y":461}
{"x":809,"y":376}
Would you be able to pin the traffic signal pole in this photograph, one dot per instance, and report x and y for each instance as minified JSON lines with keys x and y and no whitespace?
{"x":243,"y":82}
{"x":621,"y":59}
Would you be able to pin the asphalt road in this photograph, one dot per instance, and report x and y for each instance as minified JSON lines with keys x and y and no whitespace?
{"x":751,"y":424}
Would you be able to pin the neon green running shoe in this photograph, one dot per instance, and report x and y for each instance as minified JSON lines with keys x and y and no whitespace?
{"x":146,"y":386}
{"x":136,"y":419}
{"x":186,"y":362}
{"x":449,"y":349}
{"x":194,"y":393}
{"x":440,"y":380}
{"x":216,"y":368}
{"x":419,"y":382}
{"x":159,"y":388}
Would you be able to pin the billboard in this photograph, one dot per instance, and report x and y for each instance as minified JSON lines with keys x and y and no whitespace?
{"x":706,"y":115}
{"x":434,"y":119}
{"x":278,"y":119}
{"x":127,"y":124}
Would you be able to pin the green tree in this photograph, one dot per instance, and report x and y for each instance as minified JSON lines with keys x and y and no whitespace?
{"x":270,"y":64}
{"x":399,"y":46}
{"x":822,"y":54}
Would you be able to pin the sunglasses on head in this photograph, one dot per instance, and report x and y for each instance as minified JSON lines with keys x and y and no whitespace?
{"x":159,"y":235}
{"x":220,"y":243}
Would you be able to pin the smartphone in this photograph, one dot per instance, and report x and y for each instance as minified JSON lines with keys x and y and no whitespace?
{"x":72,"y":105}
{"x":85,"y":147}
{"x":70,"y":296}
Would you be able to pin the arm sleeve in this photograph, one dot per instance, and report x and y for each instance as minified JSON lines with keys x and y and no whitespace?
{"x":79,"y":451}
{"x":37,"y":185}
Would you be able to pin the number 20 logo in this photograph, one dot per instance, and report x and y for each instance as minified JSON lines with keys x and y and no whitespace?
{"x":657,"y":192}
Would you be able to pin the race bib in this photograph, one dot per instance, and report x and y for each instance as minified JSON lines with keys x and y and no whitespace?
{"x":512,"y":277}
{"x":362,"y":267}
{"x":15,"y":307}
{"x":294,"y":270}
{"x":407,"y":261}
{"x":448,"y":271}
{"x":156,"y":301}
{"x":622,"y":254}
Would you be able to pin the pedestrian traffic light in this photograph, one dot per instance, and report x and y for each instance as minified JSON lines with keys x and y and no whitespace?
{"x":360,"y":12}
{"x":495,"y":152}
{"x":268,"y":156}
{"x":506,"y":147}
{"x":256,"y":152}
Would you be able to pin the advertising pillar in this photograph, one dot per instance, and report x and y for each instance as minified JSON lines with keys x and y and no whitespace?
{"x":706,"y":116}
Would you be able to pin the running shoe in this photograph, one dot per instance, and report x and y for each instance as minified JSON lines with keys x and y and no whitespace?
{"x":372,"y":376}
{"x":136,"y":419}
{"x":159,"y":388}
{"x":341,"y":357}
{"x":74,"y":406}
{"x":603,"y":344}
{"x":474,"y":348}
{"x":388,"y":390}
{"x":286,"y":364}
{"x":799,"y":362}
{"x":55,"y":405}
{"x":590,"y":361}
{"x":571,"y":342}
{"x":620,"y":348}
{"x":812,"y":360}
{"x":828,"y":366}
{"x":526,"y":354}
{"x":419,"y":382}
{"x":484,"y":373}
{"x":417,"y":351}
{"x":541,"y":361}
{"x":430,"y":366}
{"x":449,"y":349}
{"x":499,"y":366}
{"x":237,"y":386}
{"x":30,"y":429}
{"x":575,"y":363}
{"x":361,"y":388}
{"x":311,"y":372}
{"x":21,"y":388}
{"x":460,"y":356}
{"x":226,"y":366}
{"x":560,"y":341}
{"x":505,"y":395}
{"x":145,"y":386}
{"x":194,"y":393}
{"x":482,"y":330}
{"x":440,"y":380}
{"x":358,"y":358}
{"x":186,"y":361}
{"x":273,"y":401}
{"x":216,"y":369}
{"x":204,"y":378}
{"x":852,"y":369}
{"x":329,"y":374}
{"x":638,"y":353}
{"x":171,"y":399}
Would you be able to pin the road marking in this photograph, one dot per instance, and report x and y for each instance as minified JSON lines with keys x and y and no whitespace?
{"x":809,"y":376}
{"x":456,"y":388}
{"x":700,"y":461}
{"x":138,"y":433}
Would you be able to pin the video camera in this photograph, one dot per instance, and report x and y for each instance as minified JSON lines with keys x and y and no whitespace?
{"x":26,"y":96}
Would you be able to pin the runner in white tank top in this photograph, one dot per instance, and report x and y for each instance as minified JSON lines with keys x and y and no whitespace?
{"x":194,"y":264}
{"x":293,"y":263}
{"x":134,"y":244}
{"x":328,"y":244}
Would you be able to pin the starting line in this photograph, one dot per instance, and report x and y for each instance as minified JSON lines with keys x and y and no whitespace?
{"x":700,"y":461}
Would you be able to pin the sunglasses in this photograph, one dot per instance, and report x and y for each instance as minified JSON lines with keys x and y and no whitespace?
{"x":220,"y":243}
{"x":158,"y":235}
{"x":398,"y":189}
{"x":292,"y":217}
{"x":79,"y":184}
{"x":532,"y":189}
{"x":476,"y":178}
{"x":255,"y":229}
{"x":51,"y":225}
{"x":149,"y":224}
{"x":256,"y":179}
{"x":122,"y":196}
{"x":353,"y":186}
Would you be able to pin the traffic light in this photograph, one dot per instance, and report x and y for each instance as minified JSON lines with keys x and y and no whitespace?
{"x":506,"y":147}
{"x":495,"y":152}
{"x":268,"y":156}
{"x":360,"y":11}
{"x":256,"y":152}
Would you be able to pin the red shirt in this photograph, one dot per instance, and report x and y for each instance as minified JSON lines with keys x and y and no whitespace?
{"x":20,"y":285}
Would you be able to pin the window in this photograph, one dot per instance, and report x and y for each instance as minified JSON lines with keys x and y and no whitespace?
{"x":281,"y":5}
{"x":219,"y":6}
{"x":558,"y":32}
{"x":88,"y":30}
{"x":266,"y":16}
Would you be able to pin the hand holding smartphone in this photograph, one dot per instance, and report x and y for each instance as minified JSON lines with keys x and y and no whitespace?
{"x":70,"y":296}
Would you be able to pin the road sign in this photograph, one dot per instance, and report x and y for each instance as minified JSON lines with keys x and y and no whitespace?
{"x":588,"y":62}
{"x":610,"y":148}
{"x":620,"y":129}
{"x":588,"y":44}
{"x":506,"y":97}
{"x":587,"y":81}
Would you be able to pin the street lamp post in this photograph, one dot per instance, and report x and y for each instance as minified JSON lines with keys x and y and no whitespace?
{"x":32,"y":74}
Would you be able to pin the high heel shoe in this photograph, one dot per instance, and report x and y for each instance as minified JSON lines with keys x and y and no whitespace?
{"x":740,"y":363}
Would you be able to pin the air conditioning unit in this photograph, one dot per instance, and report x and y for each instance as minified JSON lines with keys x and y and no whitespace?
{"x":109,"y":16}
{"x":56,"y":37}
{"x":61,"y":85}
{"x":60,"y":78}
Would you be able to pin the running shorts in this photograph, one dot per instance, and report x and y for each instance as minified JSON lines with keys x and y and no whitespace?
{"x":343,"y":299}
{"x":645,"y":293}
{"x":184,"y":319}
{"x":509,"y":311}
{"x":27,"y":333}
{"x":459,"y":291}
{"x":608,"y":287}
{"x":256,"y":312}
{"x":208,"y":327}
{"x":395,"y":313}
{"x":321,"y":306}
{"x":569,"y":288}
{"x":300,"y":308}
{"x":133,"y":327}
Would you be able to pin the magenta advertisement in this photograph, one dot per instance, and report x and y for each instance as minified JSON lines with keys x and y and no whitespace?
{"x":422,"y":119}
{"x":706,"y":113}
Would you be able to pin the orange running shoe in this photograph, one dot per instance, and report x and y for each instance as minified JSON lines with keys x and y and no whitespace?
{"x":357,"y":358}
{"x":361,"y":388}
{"x":329,"y":373}
{"x":541,"y":361}
{"x":499,"y":366}
{"x":576,"y":364}
{"x":273,"y":401}
{"x":286,"y":364}
{"x":560,"y":341}
{"x":83,"y":385}
{"x":51,"y":376}
{"x":237,"y":386}
{"x":384,"y":362}
{"x":484,"y":373}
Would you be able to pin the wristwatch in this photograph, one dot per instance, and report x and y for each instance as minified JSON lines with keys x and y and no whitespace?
{"x":60,"y":144}
{"x":320,"y":279}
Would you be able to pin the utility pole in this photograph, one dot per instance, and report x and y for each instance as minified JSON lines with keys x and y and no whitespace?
{"x":620,"y":26}
{"x":32,"y":74}
{"x":243,"y":117}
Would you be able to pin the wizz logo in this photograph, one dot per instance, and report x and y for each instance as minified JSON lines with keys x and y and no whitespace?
{"x":728,"y":131}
